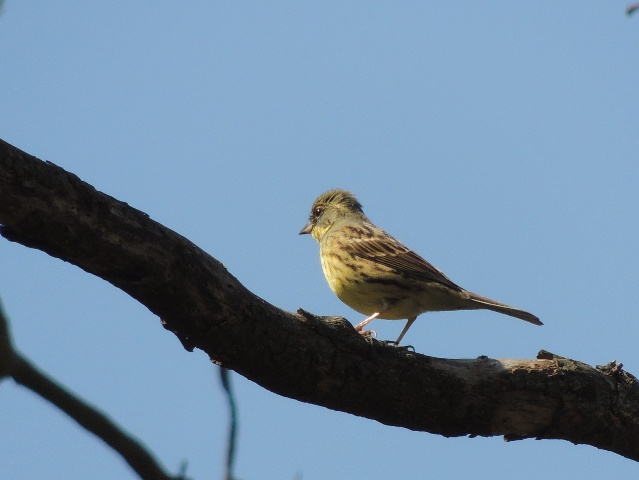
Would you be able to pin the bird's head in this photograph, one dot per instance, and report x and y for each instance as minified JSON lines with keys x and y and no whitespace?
{"x":328,"y":209}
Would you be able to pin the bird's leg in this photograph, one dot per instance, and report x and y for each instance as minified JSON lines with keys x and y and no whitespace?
{"x":401,"y":335}
{"x":362,"y":324}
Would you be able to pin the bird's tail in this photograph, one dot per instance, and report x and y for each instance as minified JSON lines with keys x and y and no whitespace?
{"x":488,"y":304}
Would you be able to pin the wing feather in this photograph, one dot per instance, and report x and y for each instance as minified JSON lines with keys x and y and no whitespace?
{"x":381,"y":248}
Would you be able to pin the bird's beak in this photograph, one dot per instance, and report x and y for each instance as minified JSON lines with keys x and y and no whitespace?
{"x":307,"y":229}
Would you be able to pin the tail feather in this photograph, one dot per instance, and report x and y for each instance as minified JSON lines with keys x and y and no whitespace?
{"x":488,"y":304}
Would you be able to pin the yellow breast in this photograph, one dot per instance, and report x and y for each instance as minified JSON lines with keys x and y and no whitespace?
{"x":367,"y":287}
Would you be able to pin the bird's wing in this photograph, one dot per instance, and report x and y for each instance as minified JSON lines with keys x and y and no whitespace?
{"x":381,"y":248}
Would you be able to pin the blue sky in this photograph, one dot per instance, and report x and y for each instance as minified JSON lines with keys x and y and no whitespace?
{"x":499,"y":140}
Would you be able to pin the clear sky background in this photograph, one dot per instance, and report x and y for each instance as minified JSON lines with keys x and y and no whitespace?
{"x":498,"y":139}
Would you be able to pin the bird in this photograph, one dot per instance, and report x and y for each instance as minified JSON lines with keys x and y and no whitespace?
{"x":376,"y":275}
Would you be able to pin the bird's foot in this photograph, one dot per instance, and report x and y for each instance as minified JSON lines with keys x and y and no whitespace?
{"x":394,"y":343}
{"x":367,"y":333}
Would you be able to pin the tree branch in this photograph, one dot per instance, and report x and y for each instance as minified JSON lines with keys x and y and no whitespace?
{"x":301,"y":356}
{"x":13,"y":364}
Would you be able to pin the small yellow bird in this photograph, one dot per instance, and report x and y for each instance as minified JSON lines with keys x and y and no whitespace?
{"x":376,"y":275}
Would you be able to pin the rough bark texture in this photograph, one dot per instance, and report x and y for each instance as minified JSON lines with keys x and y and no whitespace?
{"x":316,"y":360}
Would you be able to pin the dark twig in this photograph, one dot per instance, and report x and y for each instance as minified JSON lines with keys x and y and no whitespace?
{"x":7,"y":354}
{"x":12,"y":363}
{"x":225,"y":376}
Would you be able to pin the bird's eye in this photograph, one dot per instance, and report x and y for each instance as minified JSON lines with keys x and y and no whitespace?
{"x":318,"y":211}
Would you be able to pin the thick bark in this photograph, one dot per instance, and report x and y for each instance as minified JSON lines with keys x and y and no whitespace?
{"x":316,"y":360}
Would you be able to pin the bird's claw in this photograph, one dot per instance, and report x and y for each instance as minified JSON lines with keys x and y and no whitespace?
{"x":393,"y":343}
{"x":368,"y":333}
